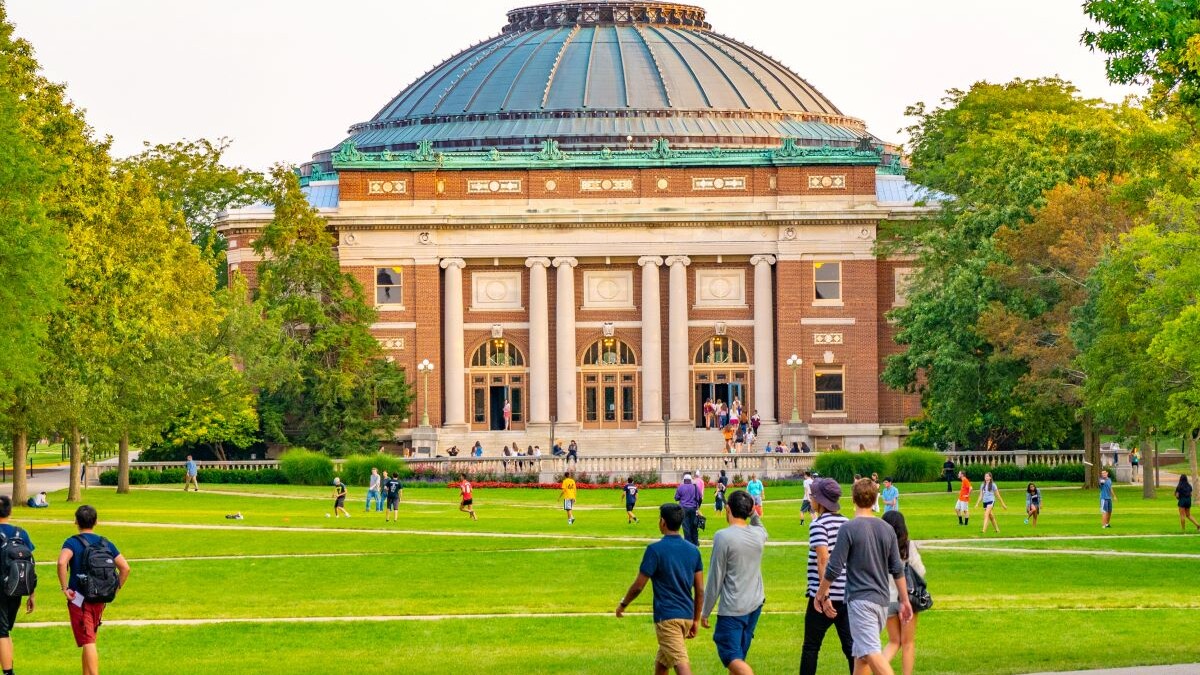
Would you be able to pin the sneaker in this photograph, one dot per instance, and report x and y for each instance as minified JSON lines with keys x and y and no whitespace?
{"x":570,"y":521}
{"x":1026,"y":521}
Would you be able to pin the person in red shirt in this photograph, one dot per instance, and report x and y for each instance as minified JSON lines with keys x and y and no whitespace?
{"x":964,"y":500}
{"x":464,"y":487}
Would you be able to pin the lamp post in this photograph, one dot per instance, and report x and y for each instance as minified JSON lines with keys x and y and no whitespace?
{"x":794,"y":363}
{"x":553,"y":421}
{"x":425,"y":367}
{"x":667,"y":431}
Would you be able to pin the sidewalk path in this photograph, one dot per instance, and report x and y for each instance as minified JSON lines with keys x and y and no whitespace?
{"x":52,"y":479}
{"x":1181,"y":669}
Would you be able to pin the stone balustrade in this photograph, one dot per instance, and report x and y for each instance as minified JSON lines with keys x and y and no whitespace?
{"x":1020,"y":457}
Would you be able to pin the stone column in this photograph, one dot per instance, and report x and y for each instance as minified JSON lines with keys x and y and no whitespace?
{"x":454,"y":372}
{"x":539,"y":341}
{"x":651,"y":340}
{"x":678,"y":356}
{"x":564,"y":339}
{"x":764,"y":338}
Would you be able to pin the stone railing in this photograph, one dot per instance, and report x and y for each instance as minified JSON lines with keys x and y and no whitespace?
{"x":1017,"y":457}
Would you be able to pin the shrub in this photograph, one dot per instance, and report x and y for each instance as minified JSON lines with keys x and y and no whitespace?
{"x":914,"y":465}
{"x":1006,"y":472}
{"x":841,"y":465}
{"x":206,"y":476}
{"x":305,"y":467}
{"x":1035,"y":473}
{"x":356,"y":470}
{"x":975,"y":471}
{"x":1068,"y":472}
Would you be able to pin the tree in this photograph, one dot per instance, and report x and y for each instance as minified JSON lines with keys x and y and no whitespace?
{"x":997,"y":149}
{"x":1155,"y":42}
{"x":328,"y":377}
{"x":191,"y":175}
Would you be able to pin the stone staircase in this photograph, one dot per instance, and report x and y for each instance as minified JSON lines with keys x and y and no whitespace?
{"x":647,"y":440}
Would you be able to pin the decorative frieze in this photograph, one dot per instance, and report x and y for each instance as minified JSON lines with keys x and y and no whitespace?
{"x":827,"y":338}
{"x":605,"y":184}
{"x":835,"y":182}
{"x":720,"y":288}
{"x":607,"y":289}
{"x":392,"y":344}
{"x":495,"y":290}
{"x":387,"y":187}
{"x":506,"y":186}
{"x":723,"y":183}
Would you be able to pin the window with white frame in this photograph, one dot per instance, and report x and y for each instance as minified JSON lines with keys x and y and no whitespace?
{"x":388,"y":286}
{"x":830,"y":388}
{"x":827,"y":282}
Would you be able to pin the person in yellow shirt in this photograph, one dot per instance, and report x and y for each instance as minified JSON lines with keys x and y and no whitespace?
{"x":568,"y":497}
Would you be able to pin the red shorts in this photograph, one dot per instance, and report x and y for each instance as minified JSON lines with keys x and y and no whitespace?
{"x":85,"y":621}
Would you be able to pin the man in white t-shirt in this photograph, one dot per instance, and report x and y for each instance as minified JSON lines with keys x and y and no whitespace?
{"x":806,"y":504}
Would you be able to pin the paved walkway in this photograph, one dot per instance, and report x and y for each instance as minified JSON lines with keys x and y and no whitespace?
{"x":1182,"y":669}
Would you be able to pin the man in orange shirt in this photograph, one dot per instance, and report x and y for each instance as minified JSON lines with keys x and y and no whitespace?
{"x":964,"y":500}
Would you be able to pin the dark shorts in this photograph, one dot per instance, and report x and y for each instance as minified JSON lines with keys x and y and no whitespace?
{"x":339,"y":502}
{"x":467,"y":502}
{"x":733,"y":635}
{"x":85,"y":621}
{"x":629,"y":505}
{"x":393,"y":503}
{"x":9,"y":607}
{"x":1185,"y":503}
{"x":805,"y":507}
{"x":1106,"y":505}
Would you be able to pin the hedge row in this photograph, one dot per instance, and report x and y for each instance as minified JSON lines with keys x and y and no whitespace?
{"x":205,"y":476}
{"x":1071,"y":473}
{"x":913,"y":465}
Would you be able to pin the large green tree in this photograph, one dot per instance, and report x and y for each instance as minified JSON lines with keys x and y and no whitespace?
{"x":321,"y":375}
{"x":1155,"y":42}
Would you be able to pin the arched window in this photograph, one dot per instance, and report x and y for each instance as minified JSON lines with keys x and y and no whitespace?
{"x":720,"y":349}
{"x":497,"y":353}
{"x":609,"y":352}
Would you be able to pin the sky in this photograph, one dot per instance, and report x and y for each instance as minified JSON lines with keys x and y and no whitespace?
{"x":285,"y":78}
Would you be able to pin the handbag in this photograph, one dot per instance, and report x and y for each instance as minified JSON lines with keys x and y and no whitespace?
{"x":918,"y":592}
{"x":701,"y":521}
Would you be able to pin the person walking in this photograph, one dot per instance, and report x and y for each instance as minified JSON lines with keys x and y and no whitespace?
{"x":719,"y":496}
{"x":727,"y":434}
{"x":735,"y":583}
{"x":467,"y":503}
{"x":1183,"y":499}
{"x":806,"y":502}
{"x":631,"y":491}
{"x":708,"y":413}
{"x":567,"y":494}
{"x":891,"y":496}
{"x":1135,"y":460}
{"x":1033,"y":504}
{"x":867,"y":550}
{"x":989,"y":493}
{"x":394,"y":491}
{"x":948,"y":472}
{"x":1107,"y":497}
{"x":878,"y":493}
{"x":507,"y":414}
{"x":963,"y":506}
{"x":757,"y":491}
{"x":822,"y":536}
{"x":902,"y":635}
{"x":191,"y":474}
{"x":91,"y":571}
{"x":339,"y":499}
{"x":675,"y":569}
{"x":755,"y":422}
{"x":15,"y":540}
{"x":688,"y":498}
{"x":373,"y":491}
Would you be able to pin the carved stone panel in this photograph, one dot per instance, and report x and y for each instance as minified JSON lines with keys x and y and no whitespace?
{"x":837,"y":182}
{"x":607,"y":289}
{"x":387,"y":187}
{"x":507,"y":186}
{"x":605,"y":184}
{"x":495,"y":290}
{"x":827,"y":338}
{"x":720,"y":288}
{"x":719,"y":183}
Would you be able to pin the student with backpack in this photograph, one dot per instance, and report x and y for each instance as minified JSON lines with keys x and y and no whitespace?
{"x":90,"y":571}
{"x":18,"y":579}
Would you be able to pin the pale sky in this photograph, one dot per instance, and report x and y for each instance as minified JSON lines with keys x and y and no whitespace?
{"x":286,"y":78}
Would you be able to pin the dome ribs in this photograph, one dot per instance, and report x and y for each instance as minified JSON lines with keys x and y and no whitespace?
{"x":624,"y":72}
{"x":517,"y":78}
{"x":742,"y":64}
{"x":587,"y":69}
{"x":558,"y":60}
{"x":686,"y":36}
{"x":471,"y":66}
{"x":495,"y":69}
{"x":657,"y":66}
{"x":686,"y":65}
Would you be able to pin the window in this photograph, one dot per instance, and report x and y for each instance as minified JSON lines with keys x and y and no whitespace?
{"x":720,"y":349}
{"x":497,"y":353}
{"x":609,"y":352}
{"x":830,"y":390}
{"x":387,"y":286}
{"x":827,"y":282}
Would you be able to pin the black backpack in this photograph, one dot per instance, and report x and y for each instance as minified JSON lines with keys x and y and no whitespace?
{"x":18,"y":577}
{"x":918,"y":592}
{"x":98,"y":580}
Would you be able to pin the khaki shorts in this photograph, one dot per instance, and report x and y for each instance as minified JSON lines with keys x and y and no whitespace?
{"x":672,"y":641}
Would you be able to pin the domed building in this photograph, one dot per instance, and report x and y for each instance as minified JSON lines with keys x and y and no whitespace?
{"x":609,"y":217}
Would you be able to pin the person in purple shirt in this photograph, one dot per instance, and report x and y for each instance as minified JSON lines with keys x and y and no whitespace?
{"x":688,"y":496}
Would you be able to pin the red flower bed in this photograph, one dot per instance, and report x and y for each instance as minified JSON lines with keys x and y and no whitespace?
{"x":556,"y":486}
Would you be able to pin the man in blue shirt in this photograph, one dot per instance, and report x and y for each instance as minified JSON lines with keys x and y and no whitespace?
{"x":675,"y":567}
{"x":631,"y":490}
{"x":85,"y":616}
{"x":10,"y":606}
{"x":192,"y":472}
{"x":1106,"y":499}
{"x":891,"y":496}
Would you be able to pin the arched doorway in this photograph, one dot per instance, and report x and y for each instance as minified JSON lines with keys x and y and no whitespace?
{"x":609,"y":383}
{"x":720,"y":372}
{"x":497,"y":377}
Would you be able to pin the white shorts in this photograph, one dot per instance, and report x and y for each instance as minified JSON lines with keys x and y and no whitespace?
{"x":867,"y":621}
{"x":962,"y":506}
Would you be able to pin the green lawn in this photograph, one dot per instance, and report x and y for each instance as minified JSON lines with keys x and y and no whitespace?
{"x":430,"y":574}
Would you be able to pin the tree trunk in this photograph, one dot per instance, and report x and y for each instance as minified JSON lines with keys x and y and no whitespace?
{"x":1148,"y":473}
{"x":123,"y":464}
{"x":73,"y":493}
{"x":1091,"y":453}
{"x":1191,"y":450}
{"x":20,"y":456}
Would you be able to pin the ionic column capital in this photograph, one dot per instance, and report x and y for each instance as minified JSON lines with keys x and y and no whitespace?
{"x":655,"y":260}
{"x":560,"y":262}
{"x":761,"y":259}
{"x":531,"y":262}
{"x":678,"y":260}
{"x":447,"y":263}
